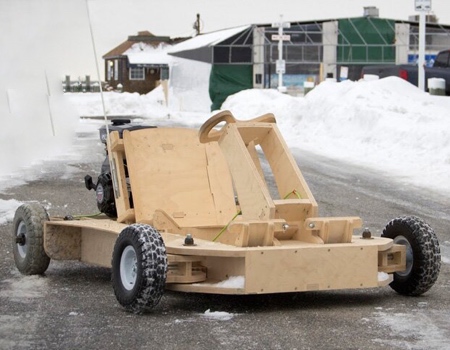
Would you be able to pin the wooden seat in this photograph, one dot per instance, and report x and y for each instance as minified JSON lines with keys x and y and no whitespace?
{"x":171,"y":171}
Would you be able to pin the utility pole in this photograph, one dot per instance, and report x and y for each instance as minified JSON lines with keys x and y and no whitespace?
{"x":281,"y":64}
{"x":423,"y":7}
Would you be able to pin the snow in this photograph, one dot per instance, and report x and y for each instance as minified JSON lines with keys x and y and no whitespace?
{"x":7,"y":210}
{"x":387,"y":124}
{"x":230,"y":282}
{"x":208,"y":39}
{"x":141,"y":53}
{"x":218,"y":315}
{"x":383,"y":276}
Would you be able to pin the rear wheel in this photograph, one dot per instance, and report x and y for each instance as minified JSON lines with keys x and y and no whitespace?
{"x":28,"y":239}
{"x":423,"y":257}
{"x":139,"y":268}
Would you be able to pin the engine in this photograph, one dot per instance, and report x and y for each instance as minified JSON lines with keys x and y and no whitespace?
{"x":104,"y":187}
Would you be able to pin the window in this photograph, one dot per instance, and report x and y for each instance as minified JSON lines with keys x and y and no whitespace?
{"x":137,"y":73}
{"x":116,"y":69}
{"x":109,"y":70}
{"x":442,"y":60}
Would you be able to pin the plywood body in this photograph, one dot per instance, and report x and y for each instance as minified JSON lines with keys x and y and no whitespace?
{"x":289,"y":267}
{"x":182,"y":182}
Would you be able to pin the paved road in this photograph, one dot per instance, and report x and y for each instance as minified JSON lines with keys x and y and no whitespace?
{"x":73,"y":306}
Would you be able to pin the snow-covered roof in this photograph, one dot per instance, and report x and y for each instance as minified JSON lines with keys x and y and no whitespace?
{"x":208,"y":39}
{"x":141,"y":53}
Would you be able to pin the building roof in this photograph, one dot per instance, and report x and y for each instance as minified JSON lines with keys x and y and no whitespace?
{"x":147,"y":54}
{"x":206,"y":40}
{"x":142,"y":37}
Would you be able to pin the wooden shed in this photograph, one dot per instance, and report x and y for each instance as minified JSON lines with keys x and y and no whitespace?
{"x":140,"y":63}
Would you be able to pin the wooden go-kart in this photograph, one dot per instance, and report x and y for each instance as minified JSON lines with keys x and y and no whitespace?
{"x":222,"y":211}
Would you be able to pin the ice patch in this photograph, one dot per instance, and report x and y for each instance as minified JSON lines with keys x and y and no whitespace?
{"x":24,"y":288}
{"x":218,"y":315}
{"x":415,"y":330}
{"x":7,"y":210}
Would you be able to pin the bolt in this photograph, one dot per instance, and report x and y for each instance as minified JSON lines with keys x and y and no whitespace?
{"x":285,"y":227}
{"x":189,"y":240}
{"x":366,"y":234}
{"x":312,"y":225}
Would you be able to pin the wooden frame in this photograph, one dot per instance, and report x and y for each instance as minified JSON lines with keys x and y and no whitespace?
{"x":212,"y":185}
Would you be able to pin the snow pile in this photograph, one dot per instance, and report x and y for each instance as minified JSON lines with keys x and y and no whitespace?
{"x":218,"y":315}
{"x":387,"y":124}
{"x":35,"y":126}
{"x":232,"y":282}
{"x":151,"y":105}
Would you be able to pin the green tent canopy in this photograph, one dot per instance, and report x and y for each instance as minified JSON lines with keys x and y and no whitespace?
{"x":226,"y":80}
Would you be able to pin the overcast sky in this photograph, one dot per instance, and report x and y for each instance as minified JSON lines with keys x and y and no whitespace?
{"x":53,"y":35}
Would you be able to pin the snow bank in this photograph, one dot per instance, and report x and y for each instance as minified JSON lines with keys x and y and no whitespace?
{"x":387,"y":124}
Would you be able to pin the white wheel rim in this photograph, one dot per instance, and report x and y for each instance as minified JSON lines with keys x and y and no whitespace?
{"x":22,"y":248}
{"x":128,"y":268}
{"x":409,"y":255}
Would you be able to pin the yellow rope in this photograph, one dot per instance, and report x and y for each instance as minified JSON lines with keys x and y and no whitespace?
{"x":226,"y":226}
{"x":293,"y":192}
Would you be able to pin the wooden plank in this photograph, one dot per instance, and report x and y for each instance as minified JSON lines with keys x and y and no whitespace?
{"x":97,"y":247}
{"x":62,"y":242}
{"x":393,"y":259}
{"x":220,"y":183}
{"x":254,"y":198}
{"x":251,"y":147}
{"x":168,"y":171}
{"x":105,"y":224}
{"x":117,"y":160}
{"x":333,"y":229}
{"x":308,"y":269}
{"x":287,"y":175}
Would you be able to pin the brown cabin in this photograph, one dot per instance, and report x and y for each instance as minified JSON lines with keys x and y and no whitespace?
{"x":139,"y":63}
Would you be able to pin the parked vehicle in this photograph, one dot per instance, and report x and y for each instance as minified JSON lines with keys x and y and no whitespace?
{"x":409,"y":72}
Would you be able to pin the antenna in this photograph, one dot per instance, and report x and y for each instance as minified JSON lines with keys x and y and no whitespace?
{"x":105,"y":118}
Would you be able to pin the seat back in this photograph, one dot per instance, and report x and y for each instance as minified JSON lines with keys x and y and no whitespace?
{"x":170,"y":170}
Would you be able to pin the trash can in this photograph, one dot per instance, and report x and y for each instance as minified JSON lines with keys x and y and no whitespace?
{"x":436,"y":86}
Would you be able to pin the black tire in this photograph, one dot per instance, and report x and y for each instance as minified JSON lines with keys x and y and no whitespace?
{"x":139,"y":268}
{"x":423,"y":256}
{"x":28,"y":239}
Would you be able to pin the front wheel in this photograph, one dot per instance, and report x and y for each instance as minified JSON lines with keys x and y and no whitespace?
{"x":423,"y":257}
{"x":28,"y":239}
{"x":139,"y":268}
